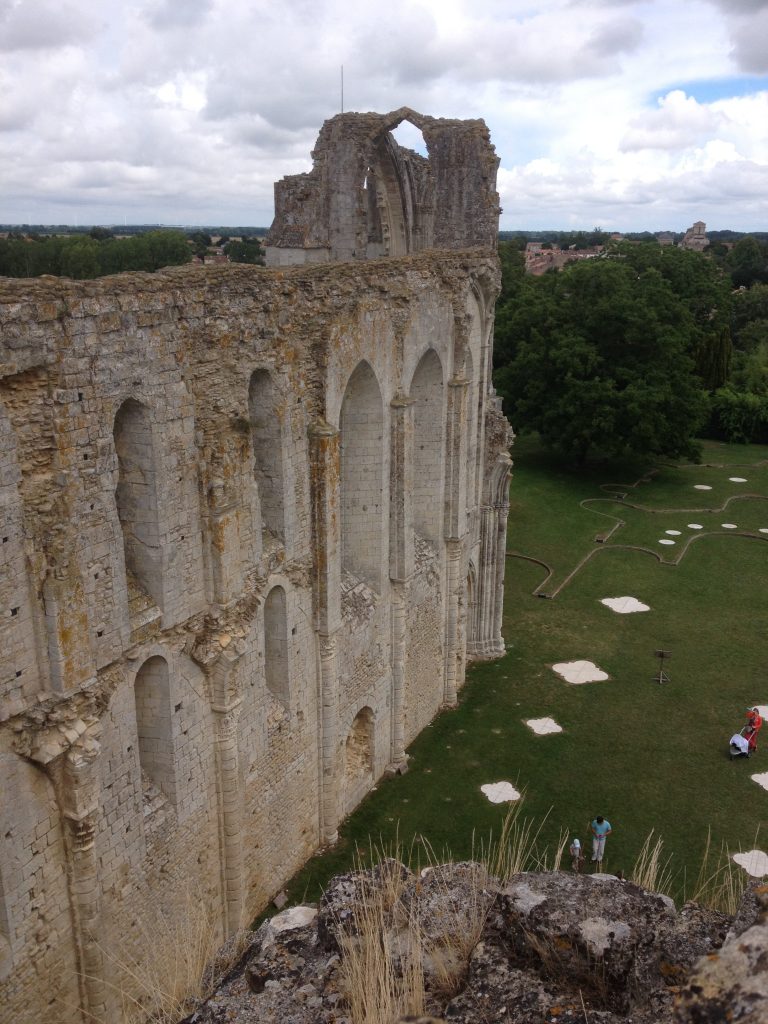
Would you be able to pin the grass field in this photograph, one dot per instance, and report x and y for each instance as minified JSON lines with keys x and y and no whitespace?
{"x":644,"y":755}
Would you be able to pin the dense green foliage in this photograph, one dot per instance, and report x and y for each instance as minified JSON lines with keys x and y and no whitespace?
{"x":248,"y":250}
{"x":637,"y":351}
{"x":92,"y":255}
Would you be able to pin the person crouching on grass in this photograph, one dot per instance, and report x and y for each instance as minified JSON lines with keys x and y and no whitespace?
{"x":600,"y":829}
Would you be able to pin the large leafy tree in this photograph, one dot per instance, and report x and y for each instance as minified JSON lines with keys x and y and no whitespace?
{"x":601,"y":358}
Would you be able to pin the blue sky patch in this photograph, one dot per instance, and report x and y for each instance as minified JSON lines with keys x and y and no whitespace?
{"x":708,"y":90}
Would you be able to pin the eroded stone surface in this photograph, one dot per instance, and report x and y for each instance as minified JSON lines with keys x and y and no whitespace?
{"x":547,"y":946}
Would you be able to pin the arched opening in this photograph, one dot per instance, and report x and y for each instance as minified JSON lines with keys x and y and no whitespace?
{"x":136,"y":500}
{"x":267,"y":452}
{"x":276,"y":644}
{"x":427,"y":393}
{"x":408,"y":136}
{"x":362,"y":477}
{"x":395,"y":193}
{"x":358,"y":758}
{"x":155,"y":736}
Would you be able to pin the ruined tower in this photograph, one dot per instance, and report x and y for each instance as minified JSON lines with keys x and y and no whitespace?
{"x":253,"y":526}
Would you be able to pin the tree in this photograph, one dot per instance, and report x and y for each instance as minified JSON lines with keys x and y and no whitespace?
{"x":604,"y":362}
{"x":247,"y":251}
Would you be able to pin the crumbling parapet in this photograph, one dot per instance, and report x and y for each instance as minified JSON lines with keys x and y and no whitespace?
{"x":366,"y":196}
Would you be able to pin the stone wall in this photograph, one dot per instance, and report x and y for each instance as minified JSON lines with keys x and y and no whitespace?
{"x":225,"y":606}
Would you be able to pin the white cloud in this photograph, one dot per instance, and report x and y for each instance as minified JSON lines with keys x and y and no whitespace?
{"x":169,"y":111}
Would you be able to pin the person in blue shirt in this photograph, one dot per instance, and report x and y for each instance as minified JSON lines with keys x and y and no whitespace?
{"x":600,"y":829}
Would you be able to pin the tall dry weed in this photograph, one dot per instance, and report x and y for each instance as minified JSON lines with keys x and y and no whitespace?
{"x":168,"y":962}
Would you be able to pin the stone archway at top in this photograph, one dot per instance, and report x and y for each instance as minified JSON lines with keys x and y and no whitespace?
{"x":394,"y":188}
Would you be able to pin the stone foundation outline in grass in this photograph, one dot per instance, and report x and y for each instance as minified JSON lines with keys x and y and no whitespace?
{"x":500,"y":792}
{"x":624,"y":605}
{"x":543,"y":726}
{"x":579,"y":672}
{"x":754,"y":862}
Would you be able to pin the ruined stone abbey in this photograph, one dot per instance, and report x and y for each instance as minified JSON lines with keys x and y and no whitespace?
{"x":252,"y":527}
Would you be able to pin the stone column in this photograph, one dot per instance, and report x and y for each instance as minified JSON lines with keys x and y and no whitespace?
{"x":325,"y":468}
{"x":455,"y":526}
{"x":400,"y":562}
{"x":493,"y":546}
{"x":76,"y":784}
{"x":69,"y":638}
{"x":226,"y":706}
{"x":501,"y":504}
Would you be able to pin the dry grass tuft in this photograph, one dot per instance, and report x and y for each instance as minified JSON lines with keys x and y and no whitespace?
{"x":184,"y":963}
{"x":650,"y":870}
{"x":720,"y":883}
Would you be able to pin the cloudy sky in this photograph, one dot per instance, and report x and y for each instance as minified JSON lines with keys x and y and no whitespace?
{"x":623,"y":114}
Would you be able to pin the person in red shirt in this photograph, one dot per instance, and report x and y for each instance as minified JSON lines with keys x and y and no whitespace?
{"x":752,"y":728}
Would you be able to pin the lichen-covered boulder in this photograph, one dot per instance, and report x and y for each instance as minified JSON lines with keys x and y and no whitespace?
{"x":732,"y":984}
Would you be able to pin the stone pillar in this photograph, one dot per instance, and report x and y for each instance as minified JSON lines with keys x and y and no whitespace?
{"x":501,"y":505}
{"x":400,"y":562}
{"x":66,"y":620}
{"x":325,"y":468}
{"x":226,"y":706}
{"x":493,"y":546}
{"x":455,"y":527}
{"x":76,"y":784}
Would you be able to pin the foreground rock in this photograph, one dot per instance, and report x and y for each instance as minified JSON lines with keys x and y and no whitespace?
{"x":548,"y":947}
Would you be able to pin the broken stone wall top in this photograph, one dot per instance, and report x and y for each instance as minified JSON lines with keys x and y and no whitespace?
{"x":366,"y":196}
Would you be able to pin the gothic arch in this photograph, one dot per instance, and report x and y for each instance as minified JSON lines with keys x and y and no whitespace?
{"x":266,"y":440}
{"x":152,"y":697}
{"x":358,"y":758}
{"x":428,"y":394}
{"x":136,"y":498}
{"x":276,"y":663}
{"x":361,"y":424}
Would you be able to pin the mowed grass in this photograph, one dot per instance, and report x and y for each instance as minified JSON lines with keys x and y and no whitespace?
{"x":644,"y":755}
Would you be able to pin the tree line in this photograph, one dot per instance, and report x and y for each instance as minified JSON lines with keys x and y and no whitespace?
{"x":638,"y":351}
{"x":99,"y":252}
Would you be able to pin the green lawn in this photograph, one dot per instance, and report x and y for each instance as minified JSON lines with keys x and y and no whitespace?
{"x":646,"y":756}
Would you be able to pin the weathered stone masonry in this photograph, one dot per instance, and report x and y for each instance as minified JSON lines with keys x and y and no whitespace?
{"x":251,"y":527}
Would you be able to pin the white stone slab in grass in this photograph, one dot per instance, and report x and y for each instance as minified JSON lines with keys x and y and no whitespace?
{"x":695,"y":526}
{"x":763,"y":529}
{"x":729,"y":526}
{"x":578,"y":672}
{"x":737,"y":479}
{"x":761,"y":779}
{"x":666,"y":540}
{"x":754,"y":862}
{"x":702,"y":487}
{"x":500,"y":792}
{"x":543,"y":726}
{"x":672,"y":533}
{"x":624,"y":605}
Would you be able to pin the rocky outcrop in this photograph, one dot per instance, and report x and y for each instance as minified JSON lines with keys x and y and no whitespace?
{"x":544,"y":947}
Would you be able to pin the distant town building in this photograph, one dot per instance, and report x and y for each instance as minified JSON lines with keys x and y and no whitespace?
{"x":695,"y":237}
